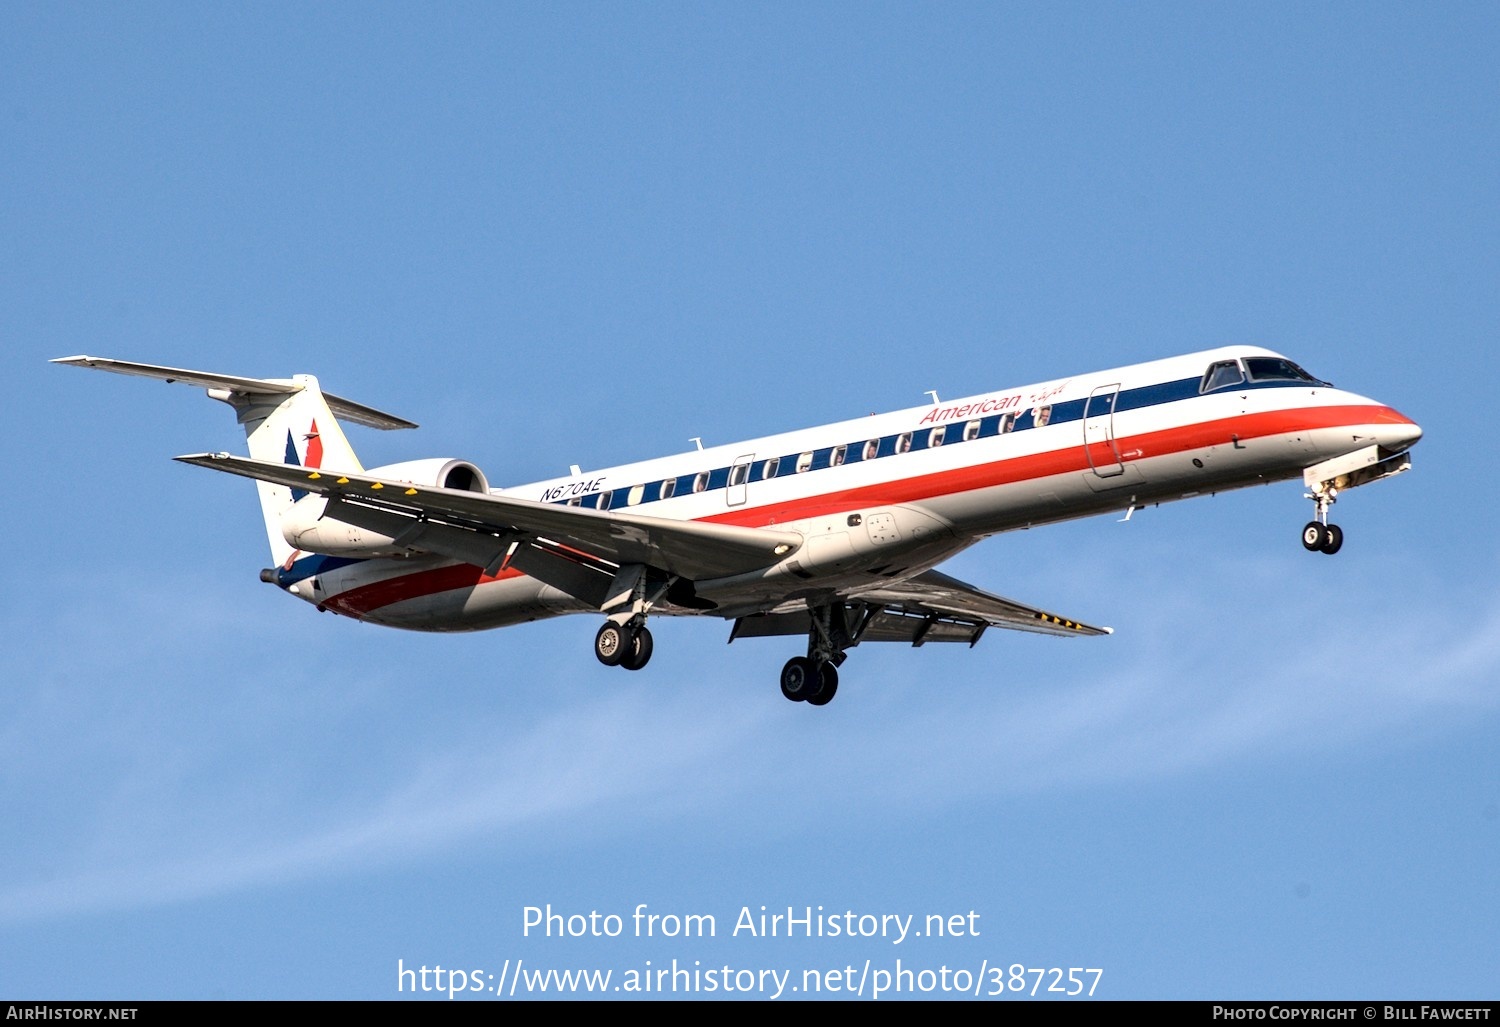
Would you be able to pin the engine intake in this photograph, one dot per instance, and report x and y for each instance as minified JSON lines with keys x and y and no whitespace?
{"x":441,"y":471}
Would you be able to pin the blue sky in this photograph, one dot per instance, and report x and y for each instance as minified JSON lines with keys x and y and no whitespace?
{"x":561,"y":234}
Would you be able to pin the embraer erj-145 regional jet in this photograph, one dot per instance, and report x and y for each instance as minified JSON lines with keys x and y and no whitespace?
{"x":830,"y":533}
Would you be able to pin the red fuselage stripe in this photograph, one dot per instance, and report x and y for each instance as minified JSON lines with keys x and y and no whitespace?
{"x":1062,"y":461}
{"x":362,"y":600}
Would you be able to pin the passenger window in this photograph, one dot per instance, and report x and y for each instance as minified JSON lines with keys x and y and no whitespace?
{"x":839,"y":452}
{"x":1222,"y":375}
{"x":771,"y":467}
{"x":937,"y":437}
{"x":804,"y":462}
{"x":701,"y":482}
{"x":604,"y":498}
{"x":1007,"y":424}
{"x":738,"y":473}
{"x":872,"y":449}
{"x":971,"y":430}
{"x":633,"y":497}
{"x":903,"y":444}
{"x":669,"y":488}
{"x":576,"y":501}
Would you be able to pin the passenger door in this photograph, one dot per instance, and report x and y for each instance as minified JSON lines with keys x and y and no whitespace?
{"x":1099,"y":431}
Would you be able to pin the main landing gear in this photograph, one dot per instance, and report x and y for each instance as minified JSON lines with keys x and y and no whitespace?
{"x":625,"y":645}
{"x":814,"y":678}
{"x":624,"y":640}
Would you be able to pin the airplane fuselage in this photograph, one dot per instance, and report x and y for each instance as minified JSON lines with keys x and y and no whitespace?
{"x":881,"y":498}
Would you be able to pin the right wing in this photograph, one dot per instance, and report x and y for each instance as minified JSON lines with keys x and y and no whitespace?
{"x":931,"y":607}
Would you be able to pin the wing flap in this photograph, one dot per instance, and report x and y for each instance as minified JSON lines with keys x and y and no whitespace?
{"x":942,"y":601}
{"x":898,"y":626}
{"x":931,"y":607}
{"x":691,"y":549}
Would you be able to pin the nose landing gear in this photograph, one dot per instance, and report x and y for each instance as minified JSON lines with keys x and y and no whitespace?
{"x":1319,"y":536}
{"x":1327,"y":479}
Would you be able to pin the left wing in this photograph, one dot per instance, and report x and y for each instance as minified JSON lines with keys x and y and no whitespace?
{"x":562,"y":544}
{"x":689,"y":549}
{"x":931,"y":607}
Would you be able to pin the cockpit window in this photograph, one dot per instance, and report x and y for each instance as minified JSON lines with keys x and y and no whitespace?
{"x":1221,"y":375}
{"x":1278,"y":369}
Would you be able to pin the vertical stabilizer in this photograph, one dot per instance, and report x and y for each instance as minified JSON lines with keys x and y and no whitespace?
{"x":294,"y":428}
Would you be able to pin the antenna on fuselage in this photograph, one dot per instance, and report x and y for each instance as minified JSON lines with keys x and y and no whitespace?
{"x":933,"y":394}
{"x":695,"y":440}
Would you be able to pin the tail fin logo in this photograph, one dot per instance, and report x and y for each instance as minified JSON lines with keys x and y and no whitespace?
{"x":313,"y":453}
{"x":314,"y":446}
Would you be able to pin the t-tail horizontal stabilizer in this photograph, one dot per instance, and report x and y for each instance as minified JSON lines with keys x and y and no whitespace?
{"x":228,"y":383}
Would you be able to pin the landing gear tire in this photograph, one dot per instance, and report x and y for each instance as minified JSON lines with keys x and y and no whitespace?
{"x":612,"y":643}
{"x":800,"y":679}
{"x":830,"y":678}
{"x":638,"y":653}
{"x":1322,"y":538}
{"x":1333,"y":539}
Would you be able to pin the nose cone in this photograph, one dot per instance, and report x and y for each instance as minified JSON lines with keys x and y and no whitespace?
{"x":1398,"y":432}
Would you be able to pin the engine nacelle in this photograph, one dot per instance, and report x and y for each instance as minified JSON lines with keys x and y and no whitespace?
{"x":305,"y":527}
{"x":442,"y":471}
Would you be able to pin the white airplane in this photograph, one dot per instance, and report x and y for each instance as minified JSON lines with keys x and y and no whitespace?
{"x":830,"y":532}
